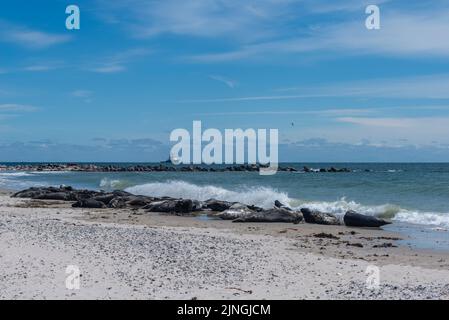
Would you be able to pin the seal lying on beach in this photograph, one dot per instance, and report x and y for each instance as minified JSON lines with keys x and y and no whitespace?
{"x":354,"y":219}
{"x":272,"y":215}
{"x":317,"y":217}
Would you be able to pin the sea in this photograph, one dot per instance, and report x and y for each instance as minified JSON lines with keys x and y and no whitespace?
{"x":415,"y":196}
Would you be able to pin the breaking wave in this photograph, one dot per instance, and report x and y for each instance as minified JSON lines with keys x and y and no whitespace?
{"x":260,"y":196}
{"x":264,"y":197}
{"x":114,"y":184}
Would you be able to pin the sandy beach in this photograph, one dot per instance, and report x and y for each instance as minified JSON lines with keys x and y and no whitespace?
{"x":130,"y":255}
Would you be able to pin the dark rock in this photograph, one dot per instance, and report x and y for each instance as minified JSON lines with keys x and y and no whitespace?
{"x":317,"y":217}
{"x":354,"y":219}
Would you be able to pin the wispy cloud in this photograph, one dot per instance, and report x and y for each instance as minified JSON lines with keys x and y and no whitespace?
{"x":16,"y":108}
{"x":29,"y":38}
{"x":381,"y":122}
{"x":43,"y":67}
{"x":427,"y":87}
{"x":233,"y":19}
{"x":85,"y":95}
{"x":325,"y":112}
{"x":434,"y":86}
{"x":10,"y":111}
{"x":250,"y":98}
{"x":420,"y":33}
{"x":118,"y":62}
{"x":228,"y":82}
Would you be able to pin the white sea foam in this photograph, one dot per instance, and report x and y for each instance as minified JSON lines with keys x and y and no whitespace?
{"x":260,"y":196}
{"x":15,"y":174}
{"x":388,"y":211}
{"x":50,"y":172}
{"x":112,"y":184}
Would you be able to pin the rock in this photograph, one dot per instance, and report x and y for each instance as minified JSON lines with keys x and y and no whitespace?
{"x":354,"y":219}
{"x":272,"y":215}
{"x":89,"y":203}
{"x":217,"y":205}
{"x":317,"y":217}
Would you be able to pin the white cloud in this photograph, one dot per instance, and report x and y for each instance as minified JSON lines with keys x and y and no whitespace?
{"x":16,"y":108}
{"x":82,"y":93}
{"x":228,"y":82}
{"x":85,"y":95}
{"x":325,"y":112}
{"x":425,"y":87}
{"x":413,"y":34}
{"x":390,"y":131}
{"x":382,"y":122}
{"x":109,"y":69}
{"x":117,"y":62}
{"x":234,"y":19}
{"x":29,"y":38}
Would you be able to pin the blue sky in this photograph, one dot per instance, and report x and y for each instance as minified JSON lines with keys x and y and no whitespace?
{"x":113,"y":90}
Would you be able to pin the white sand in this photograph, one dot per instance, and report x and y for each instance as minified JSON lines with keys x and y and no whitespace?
{"x":119,"y":261}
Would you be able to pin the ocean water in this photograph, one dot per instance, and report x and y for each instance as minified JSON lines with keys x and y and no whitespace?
{"x":412,"y":195}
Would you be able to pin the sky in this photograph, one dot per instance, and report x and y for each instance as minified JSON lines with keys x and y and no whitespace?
{"x":136,"y":70}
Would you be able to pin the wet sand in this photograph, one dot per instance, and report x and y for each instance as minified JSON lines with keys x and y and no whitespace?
{"x":124,"y":254}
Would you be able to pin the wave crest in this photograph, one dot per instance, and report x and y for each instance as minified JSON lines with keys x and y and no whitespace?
{"x":260,"y":196}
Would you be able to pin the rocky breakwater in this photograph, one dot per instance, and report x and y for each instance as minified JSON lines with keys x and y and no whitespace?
{"x":157,"y":168}
{"x":234,"y":211}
